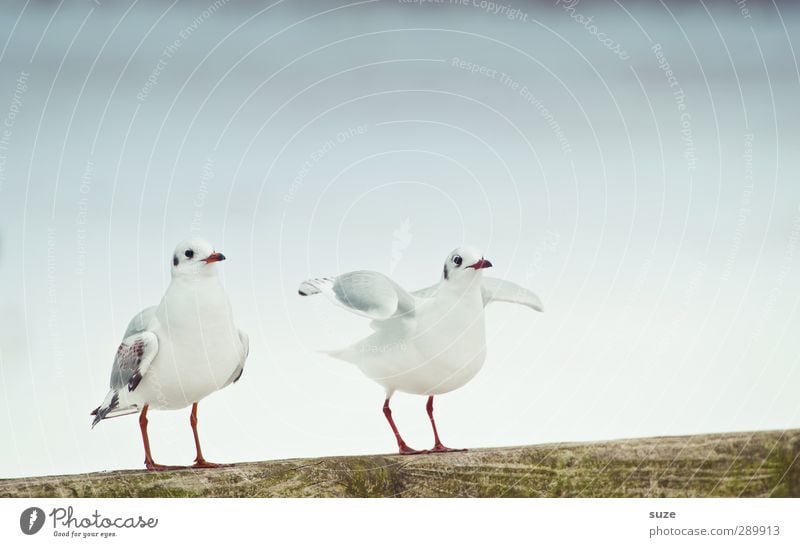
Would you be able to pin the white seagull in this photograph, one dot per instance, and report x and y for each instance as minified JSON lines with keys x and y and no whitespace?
{"x":174,"y":354}
{"x":426,"y":342}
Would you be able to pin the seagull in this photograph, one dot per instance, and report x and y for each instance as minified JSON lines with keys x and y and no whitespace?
{"x":174,"y":354}
{"x":427,"y":342}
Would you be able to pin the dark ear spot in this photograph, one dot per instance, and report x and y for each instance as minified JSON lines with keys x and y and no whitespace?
{"x":175,"y":260}
{"x":446,"y":275}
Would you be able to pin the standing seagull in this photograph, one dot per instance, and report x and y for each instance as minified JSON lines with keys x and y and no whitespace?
{"x":174,"y":354}
{"x":427,"y":342}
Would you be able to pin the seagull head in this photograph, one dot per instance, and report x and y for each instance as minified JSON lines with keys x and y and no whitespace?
{"x":464,"y":264}
{"x":195,"y":257}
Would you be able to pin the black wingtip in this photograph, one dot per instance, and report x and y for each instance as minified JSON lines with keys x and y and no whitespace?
{"x":301,"y":293}
{"x":99,"y":414}
{"x":239,"y":376}
{"x":132,"y":384}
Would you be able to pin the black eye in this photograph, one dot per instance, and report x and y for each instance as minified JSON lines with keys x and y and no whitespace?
{"x":175,"y":260}
{"x":189,"y":253}
{"x":457,"y":260}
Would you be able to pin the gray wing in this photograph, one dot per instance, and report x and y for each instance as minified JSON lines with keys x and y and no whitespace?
{"x":498,"y":290}
{"x":140,"y":321}
{"x":366,"y":293}
{"x":134,"y":356}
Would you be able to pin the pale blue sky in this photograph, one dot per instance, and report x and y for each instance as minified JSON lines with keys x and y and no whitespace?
{"x":305,"y":143}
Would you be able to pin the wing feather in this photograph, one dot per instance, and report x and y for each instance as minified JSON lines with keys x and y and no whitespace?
{"x":499,"y":290}
{"x":134,"y":356}
{"x":131,"y":363}
{"x":140,"y":322}
{"x":366,"y":293}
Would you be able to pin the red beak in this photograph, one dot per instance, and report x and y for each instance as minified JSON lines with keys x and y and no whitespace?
{"x":481,"y":264}
{"x":214,"y":257}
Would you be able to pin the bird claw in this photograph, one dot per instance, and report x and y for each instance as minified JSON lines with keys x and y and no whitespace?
{"x":405,"y":450}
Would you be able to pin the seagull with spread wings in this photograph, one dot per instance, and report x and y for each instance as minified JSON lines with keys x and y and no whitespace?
{"x":428,"y":342}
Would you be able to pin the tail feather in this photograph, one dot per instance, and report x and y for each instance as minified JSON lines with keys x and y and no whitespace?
{"x":314,"y":286}
{"x":111,"y":409}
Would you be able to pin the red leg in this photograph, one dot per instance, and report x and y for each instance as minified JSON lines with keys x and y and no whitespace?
{"x":199,"y":461}
{"x":438,"y":446}
{"x":401,"y":444}
{"x":148,"y":457}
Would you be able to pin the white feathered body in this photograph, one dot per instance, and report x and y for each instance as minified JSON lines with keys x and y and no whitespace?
{"x":427,"y":342}
{"x":200,"y":350}
{"x":438,"y":349}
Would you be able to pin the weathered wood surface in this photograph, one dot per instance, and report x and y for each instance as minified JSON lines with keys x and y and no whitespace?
{"x":720,"y":465}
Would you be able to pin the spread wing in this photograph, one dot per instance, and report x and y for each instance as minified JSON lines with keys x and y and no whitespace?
{"x":427,"y":292}
{"x":498,"y":290}
{"x":134,"y":356}
{"x":366,"y":293}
